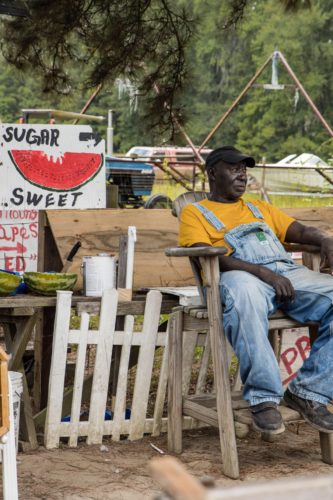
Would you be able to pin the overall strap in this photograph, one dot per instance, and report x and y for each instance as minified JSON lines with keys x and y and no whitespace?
{"x":210,"y":216}
{"x":255,"y":210}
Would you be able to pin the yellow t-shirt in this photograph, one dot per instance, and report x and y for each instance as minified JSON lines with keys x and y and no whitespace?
{"x":194,"y":228}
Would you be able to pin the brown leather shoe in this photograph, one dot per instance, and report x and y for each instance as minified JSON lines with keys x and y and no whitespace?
{"x":267,"y":418}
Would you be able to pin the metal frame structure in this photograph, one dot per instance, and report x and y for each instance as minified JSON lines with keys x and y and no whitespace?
{"x":277,"y":56}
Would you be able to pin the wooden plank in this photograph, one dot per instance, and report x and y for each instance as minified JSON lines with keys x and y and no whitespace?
{"x":175,"y":381}
{"x":7,"y":304}
{"x":8,"y":458}
{"x":134,"y":307}
{"x":102,"y":366}
{"x":189,"y":345}
{"x":137,"y":338}
{"x":312,"y":261}
{"x":99,"y":231}
{"x":122,"y":260}
{"x":47,"y":325}
{"x":78,"y":379}
{"x":326,"y":445}
{"x":57,"y":370}
{"x":4,"y":404}
{"x":49,"y":257}
{"x":145,"y":364}
{"x":120,"y":402}
{"x":320,"y":217}
{"x":178,"y":484}
{"x":275,"y":322}
{"x":161,"y":388}
{"x":200,"y":412}
{"x":27,"y":429}
{"x":17,"y":313}
{"x":20,"y":341}
{"x":65,"y":427}
{"x":207,"y":400}
{"x":38,"y":340}
{"x":220,"y":367}
{"x":175,"y":481}
{"x":112,"y":195}
{"x":42,"y":223}
{"x":301,"y":488}
{"x":120,"y":321}
{"x":201,"y":382}
{"x":39,"y":418}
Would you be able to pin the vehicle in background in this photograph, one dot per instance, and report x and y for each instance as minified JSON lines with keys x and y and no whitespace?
{"x":296,"y":174}
{"x":135,"y":179}
{"x":180,"y":158}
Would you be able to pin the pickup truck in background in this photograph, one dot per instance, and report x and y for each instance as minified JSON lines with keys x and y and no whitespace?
{"x":180,"y":158}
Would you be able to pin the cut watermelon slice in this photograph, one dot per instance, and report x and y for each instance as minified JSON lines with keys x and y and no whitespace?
{"x":67,"y":173}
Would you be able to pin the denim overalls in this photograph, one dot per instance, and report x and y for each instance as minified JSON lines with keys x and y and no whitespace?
{"x":248,"y":302}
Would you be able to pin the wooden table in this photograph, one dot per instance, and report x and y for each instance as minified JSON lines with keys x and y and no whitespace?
{"x":19,"y":315}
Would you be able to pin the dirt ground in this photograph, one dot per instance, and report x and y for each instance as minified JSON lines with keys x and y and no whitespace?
{"x":119,"y":471}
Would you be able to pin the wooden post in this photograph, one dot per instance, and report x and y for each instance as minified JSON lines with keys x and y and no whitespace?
{"x":4,"y":405}
{"x":326,"y":445}
{"x":48,"y":260}
{"x":112,"y":196}
{"x":58,"y":366}
{"x":220,"y":366}
{"x":175,"y":396}
{"x":120,"y":320}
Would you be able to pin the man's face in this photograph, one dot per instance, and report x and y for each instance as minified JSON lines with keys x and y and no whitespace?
{"x":228,"y":181}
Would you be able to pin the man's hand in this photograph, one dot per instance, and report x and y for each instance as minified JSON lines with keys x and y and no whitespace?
{"x":284,"y":289}
{"x":326,"y":253}
{"x":298,"y":233}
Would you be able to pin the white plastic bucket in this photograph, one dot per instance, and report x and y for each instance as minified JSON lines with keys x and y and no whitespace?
{"x":99,"y":274}
{"x":16,"y":380}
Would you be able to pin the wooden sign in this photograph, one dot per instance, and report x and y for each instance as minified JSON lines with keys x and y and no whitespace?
{"x":99,"y":232}
{"x":51,"y":166}
{"x":44,"y":166}
{"x":18,"y":239}
{"x":295,"y":349}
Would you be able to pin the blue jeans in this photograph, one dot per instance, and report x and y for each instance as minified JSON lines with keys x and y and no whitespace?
{"x":248,"y":303}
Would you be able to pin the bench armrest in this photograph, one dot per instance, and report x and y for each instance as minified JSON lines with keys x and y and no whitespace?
{"x":216,"y":251}
{"x":195,"y":251}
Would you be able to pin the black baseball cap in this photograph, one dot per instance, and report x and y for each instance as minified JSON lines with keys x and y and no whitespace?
{"x":229,"y":154}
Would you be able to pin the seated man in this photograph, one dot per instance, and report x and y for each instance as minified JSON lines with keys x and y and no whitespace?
{"x":257,"y":278}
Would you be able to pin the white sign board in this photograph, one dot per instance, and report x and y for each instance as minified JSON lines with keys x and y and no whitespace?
{"x":294,"y":350}
{"x":18,"y":240}
{"x":44,"y":167}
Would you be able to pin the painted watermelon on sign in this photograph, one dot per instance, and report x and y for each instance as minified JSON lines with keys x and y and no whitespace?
{"x":66,"y":172}
{"x":51,"y":166}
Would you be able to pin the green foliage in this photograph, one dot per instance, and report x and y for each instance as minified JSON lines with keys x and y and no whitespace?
{"x":99,"y":41}
{"x":268,"y":124}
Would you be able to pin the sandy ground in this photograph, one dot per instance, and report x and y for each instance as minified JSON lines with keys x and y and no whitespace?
{"x":119,"y":471}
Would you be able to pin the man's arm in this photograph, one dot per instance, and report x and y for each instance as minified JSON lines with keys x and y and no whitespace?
{"x":299,"y":233}
{"x":284,"y":290}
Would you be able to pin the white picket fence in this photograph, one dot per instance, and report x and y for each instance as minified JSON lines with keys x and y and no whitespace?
{"x":105,"y":338}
